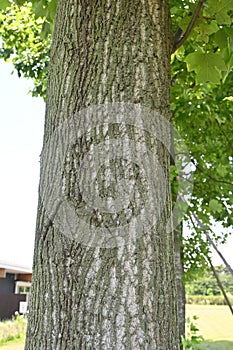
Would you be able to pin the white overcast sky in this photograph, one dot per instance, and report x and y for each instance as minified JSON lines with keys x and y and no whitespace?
{"x":21,"y":135}
{"x":21,"y":132}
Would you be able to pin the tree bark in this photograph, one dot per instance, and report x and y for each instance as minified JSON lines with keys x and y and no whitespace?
{"x":88,"y":296}
{"x":179,"y":280}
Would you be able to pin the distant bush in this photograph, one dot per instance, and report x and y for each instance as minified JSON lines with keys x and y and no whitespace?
{"x":207,"y":299}
{"x":206,"y":283}
{"x":12,"y":330}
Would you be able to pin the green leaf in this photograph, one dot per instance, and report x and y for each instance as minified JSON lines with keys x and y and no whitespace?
{"x":207,"y":66}
{"x":20,"y":2}
{"x":215,"y":206}
{"x":222,"y":170}
{"x":52,"y":7}
{"x":174,"y":10}
{"x":220,"y":9}
{"x":4,"y":4}
{"x":45,"y":31}
{"x":184,"y":22}
{"x":228,"y":58}
{"x":220,"y":38}
{"x":229,"y":33}
{"x":205,"y":29}
{"x":40,"y":10}
{"x":179,"y":54}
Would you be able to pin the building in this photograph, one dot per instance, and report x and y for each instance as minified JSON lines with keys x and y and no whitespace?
{"x":15,"y":283}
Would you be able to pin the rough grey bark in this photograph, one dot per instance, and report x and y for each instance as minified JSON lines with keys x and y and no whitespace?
{"x":92,"y":297}
{"x":179,"y":280}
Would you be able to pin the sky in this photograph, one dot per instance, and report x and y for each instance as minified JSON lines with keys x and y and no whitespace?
{"x":21,"y":136}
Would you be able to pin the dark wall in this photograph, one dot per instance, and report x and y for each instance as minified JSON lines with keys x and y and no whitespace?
{"x":9,"y":304}
{"x":7,"y":285}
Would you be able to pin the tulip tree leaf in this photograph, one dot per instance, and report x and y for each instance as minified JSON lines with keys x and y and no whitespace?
{"x":207,"y":66}
{"x":215,"y":206}
{"x":221,"y":10}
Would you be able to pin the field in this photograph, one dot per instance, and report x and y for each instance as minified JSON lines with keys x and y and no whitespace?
{"x":13,"y":346}
{"x":215,"y":324}
{"x":218,"y":345}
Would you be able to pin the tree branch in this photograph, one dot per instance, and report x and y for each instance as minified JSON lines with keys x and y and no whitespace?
{"x":220,"y":285}
{"x":179,"y":42}
{"x":201,"y":226}
{"x":209,"y":260}
{"x":211,"y":177}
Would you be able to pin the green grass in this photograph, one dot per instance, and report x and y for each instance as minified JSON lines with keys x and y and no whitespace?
{"x":12,"y":331}
{"x":217,"y":345}
{"x":215,"y":324}
{"x":215,"y":321}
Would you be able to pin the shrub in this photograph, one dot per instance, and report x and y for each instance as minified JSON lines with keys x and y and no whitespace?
{"x":207,"y":299}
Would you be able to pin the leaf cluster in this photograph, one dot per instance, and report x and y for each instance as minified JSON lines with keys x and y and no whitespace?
{"x":208,"y":50}
{"x":22,"y":42}
{"x":202,"y":111}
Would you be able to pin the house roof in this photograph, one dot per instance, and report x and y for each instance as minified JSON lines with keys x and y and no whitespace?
{"x":13,"y":267}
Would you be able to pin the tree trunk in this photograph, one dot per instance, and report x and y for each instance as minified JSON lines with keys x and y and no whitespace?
{"x":96,"y":286}
{"x":179,"y":280}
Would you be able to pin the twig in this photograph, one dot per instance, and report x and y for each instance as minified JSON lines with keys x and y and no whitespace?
{"x":180,"y":42}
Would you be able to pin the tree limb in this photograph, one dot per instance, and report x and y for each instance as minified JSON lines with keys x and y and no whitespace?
{"x":201,"y":226}
{"x":220,"y":285}
{"x":209,"y":260}
{"x":179,"y":42}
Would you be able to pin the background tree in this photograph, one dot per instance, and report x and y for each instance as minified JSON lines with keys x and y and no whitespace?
{"x":207,"y":285}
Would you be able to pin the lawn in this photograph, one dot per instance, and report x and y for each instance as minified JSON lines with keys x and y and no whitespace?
{"x":215,"y":322}
{"x":216,"y":345}
{"x":13,"y":346}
